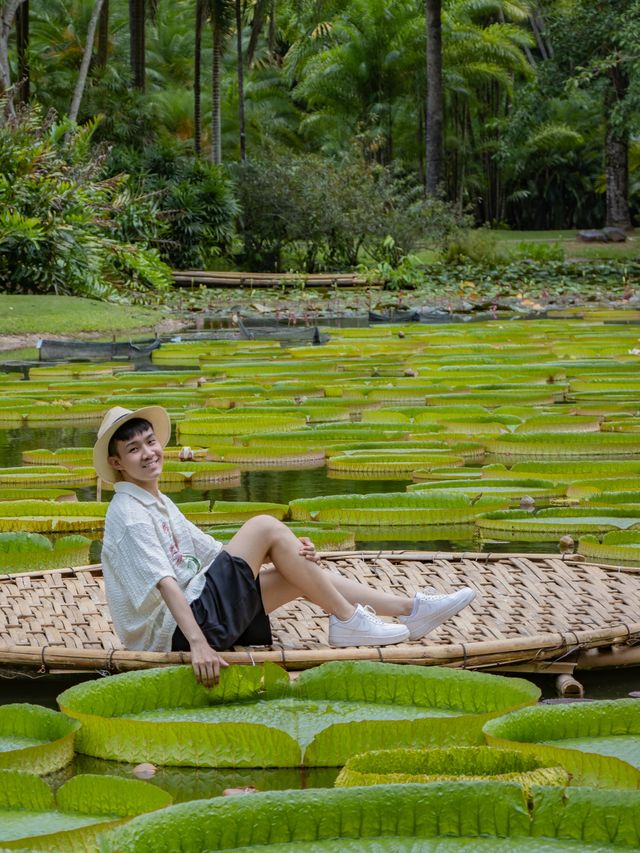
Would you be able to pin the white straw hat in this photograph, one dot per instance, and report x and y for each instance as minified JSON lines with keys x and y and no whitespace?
{"x":111,"y":423}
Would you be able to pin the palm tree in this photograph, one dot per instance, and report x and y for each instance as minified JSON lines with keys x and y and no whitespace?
{"x":264,"y":11}
{"x":137,"y":20}
{"x":103,"y":36}
{"x":240,"y":71}
{"x":86,"y":60}
{"x":484,"y":53}
{"x":435,"y":103}
{"x":7,"y":16}
{"x":197,"y":78}
{"x":351,"y":70}
{"x":22,"y":48}
{"x":596,"y":49}
{"x":221,"y":15}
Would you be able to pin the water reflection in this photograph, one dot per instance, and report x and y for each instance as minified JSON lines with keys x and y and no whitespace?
{"x":199,"y":783}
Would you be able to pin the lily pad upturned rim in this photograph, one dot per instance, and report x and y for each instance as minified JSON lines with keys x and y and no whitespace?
{"x":56,"y":730}
{"x":534,"y":730}
{"x":457,"y":763}
{"x":109,"y":799}
{"x":100,"y":707}
{"x":442,"y":810}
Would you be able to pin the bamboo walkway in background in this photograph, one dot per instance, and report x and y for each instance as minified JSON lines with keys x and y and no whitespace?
{"x":532,"y":612}
{"x":192,"y":278}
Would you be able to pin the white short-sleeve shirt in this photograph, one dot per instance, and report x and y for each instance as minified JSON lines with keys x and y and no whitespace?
{"x":147,"y":538}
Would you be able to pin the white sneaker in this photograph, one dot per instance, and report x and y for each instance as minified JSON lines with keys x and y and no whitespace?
{"x":430,"y":610}
{"x":365,"y":629}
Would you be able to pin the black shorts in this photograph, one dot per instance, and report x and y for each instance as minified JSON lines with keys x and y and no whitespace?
{"x":229,"y":610}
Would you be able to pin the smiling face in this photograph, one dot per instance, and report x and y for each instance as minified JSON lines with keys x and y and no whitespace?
{"x":138,"y":458}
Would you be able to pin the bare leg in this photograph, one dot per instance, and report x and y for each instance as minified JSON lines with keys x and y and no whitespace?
{"x":263,"y":538}
{"x":276,"y":591}
{"x":384,"y":603}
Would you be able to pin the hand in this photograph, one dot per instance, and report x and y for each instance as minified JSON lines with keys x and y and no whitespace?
{"x":206,"y":663}
{"x":308,"y":549}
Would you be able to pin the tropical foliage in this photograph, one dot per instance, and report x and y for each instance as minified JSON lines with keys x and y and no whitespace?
{"x":60,"y":222}
{"x":537,"y":117}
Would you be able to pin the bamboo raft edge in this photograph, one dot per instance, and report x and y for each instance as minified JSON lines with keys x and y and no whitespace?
{"x":516,"y":593}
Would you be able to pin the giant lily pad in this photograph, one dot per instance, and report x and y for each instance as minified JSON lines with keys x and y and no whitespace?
{"x":616,"y":546}
{"x":47,"y":475}
{"x":548,"y":524}
{"x":599,"y":742}
{"x":565,"y":444}
{"x":401,"y":464}
{"x":444,"y":816}
{"x":457,"y":763}
{"x":228,"y":512}
{"x":34,"y":738}
{"x":23,"y":552}
{"x":567,"y":471}
{"x":394,"y":508}
{"x":257,"y":718}
{"x":513,"y":489}
{"x":323,"y":536}
{"x":83,"y":807}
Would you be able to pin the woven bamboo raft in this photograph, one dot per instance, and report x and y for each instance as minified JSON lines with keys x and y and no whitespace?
{"x":532,"y":612}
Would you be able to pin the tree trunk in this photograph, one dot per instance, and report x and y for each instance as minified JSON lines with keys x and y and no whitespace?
{"x":7,"y":16}
{"x":216,"y":68}
{"x":137,"y":15}
{"x":103,"y":36}
{"x":616,"y":155}
{"x":86,"y":61}
{"x":435,"y":105}
{"x":197,"y":89}
{"x":240,"y":63}
{"x":22,"y":44}
{"x":617,"y":180}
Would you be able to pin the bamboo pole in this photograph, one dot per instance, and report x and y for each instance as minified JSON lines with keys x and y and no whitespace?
{"x":620,"y":656}
{"x":482,"y":654}
{"x":569,"y":687}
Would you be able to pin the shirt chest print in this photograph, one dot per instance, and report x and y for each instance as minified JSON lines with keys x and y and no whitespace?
{"x":174,"y":551}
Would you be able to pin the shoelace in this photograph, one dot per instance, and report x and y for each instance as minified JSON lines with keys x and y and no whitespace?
{"x":370,"y":614}
{"x":433,"y":595}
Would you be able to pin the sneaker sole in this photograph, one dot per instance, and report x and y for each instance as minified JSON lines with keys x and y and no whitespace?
{"x":442,"y":617}
{"x":390,"y":641}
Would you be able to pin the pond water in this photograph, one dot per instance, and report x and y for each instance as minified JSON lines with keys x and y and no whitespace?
{"x":272,"y":485}
{"x":258,"y":485}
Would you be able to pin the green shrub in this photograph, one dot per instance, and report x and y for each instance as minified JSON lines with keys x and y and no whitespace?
{"x":537,"y":251}
{"x":60,"y":224}
{"x":478,"y":245}
{"x":315,"y":213}
{"x":194,"y":198}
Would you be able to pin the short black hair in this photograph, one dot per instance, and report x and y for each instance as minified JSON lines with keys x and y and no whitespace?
{"x":136,"y":426}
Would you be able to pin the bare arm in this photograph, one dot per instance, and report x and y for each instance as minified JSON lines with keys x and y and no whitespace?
{"x":206,"y":662}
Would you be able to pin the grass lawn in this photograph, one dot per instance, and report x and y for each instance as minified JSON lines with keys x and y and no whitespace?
{"x":69,"y":315}
{"x":566,"y":239}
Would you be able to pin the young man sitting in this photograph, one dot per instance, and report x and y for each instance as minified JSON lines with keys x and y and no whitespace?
{"x":170,"y":586}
